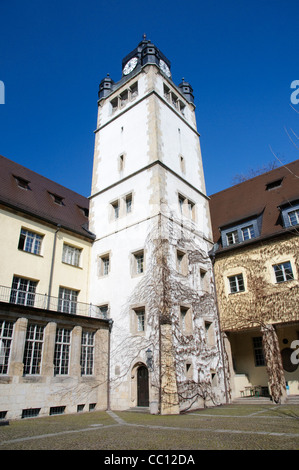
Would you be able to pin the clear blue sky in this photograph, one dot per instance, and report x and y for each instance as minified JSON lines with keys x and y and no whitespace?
{"x":239,"y":56}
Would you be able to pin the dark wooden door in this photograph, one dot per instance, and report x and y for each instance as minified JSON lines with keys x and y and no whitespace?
{"x":142,"y":386}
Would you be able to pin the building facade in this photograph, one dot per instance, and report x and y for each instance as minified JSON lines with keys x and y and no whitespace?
{"x":53,"y":343}
{"x":150,"y":267}
{"x":255,"y":229}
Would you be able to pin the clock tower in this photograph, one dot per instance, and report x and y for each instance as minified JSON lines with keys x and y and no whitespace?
{"x":150,"y":269}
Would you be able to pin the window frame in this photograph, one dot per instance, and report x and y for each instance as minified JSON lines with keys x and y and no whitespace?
{"x":6,"y":337}
{"x":33,"y":350}
{"x":71,"y":255}
{"x":239,"y":281}
{"x":282,"y":268}
{"x":61,"y":358}
{"x":20,"y":296}
{"x":67,"y":305}
{"x":30,"y":241}
{"x":87,"y":353}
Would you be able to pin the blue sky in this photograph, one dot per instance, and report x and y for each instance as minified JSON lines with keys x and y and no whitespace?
{"x":239,"y":56}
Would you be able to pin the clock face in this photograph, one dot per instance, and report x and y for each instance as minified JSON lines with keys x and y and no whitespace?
{"x":130,"y":65}
{"x":164,"y":67}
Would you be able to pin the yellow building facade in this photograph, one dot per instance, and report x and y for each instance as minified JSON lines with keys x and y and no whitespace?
{"x":53,"y":342}
{"x":256,"y":267}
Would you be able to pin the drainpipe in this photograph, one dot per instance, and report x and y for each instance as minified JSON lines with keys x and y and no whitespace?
{"x":52,"y":265}
{"x":108,"y":371}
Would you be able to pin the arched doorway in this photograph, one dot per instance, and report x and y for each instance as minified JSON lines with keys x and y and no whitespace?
{"x":142,"y":386}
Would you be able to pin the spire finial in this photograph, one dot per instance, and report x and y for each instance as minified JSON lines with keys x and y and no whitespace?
{"x":144,"y":36}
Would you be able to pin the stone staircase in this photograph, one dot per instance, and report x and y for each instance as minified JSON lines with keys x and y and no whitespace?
{"x":291,"y":400}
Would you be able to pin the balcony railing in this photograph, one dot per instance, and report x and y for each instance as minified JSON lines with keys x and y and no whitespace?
{"x":46,"y":302}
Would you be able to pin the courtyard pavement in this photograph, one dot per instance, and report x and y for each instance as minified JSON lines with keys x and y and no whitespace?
{"x":227,"y":427}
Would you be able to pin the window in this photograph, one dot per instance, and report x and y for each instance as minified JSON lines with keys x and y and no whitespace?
{"x":182,"y":263}
{"x":33,"y":349}
{"x":67,"y":301}
{"x":140,"y":313}
{"x":57,"y":199}
{"x":71,"y":255}
{"x":104,"y":265}
{"x":121,"y":163}
{"x":87,"y":352}
{"x":210,"y":335}
{"x":139,"y":320}
{"x":187,"y":207}
{"x":22,"y":182}
{"x":115,"y":208}
{"x":274,"y":184}
{"x":104,"y":309}
{"x":23,"y":291}
{"x":182,"y":164}
{"x":236,"y":283}
{"x":247,"y":232}
{"x":232,"y":237}
{"x":123,"y":98}
{"x":241,"y":232}
{"x":186,"y":320}
{"x":30,"y":242}
{"x":259,"y":358}
{"x":129,"y":203}
{"x":138,"y":262}
{"x":294,"y":217}
{"x":62,"y":351}
{"x":6,"y":331}
{"x":283,"y":272}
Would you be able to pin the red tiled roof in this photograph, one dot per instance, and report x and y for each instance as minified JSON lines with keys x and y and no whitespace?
{"x":38,"y":199}
{"x":251,"y":198}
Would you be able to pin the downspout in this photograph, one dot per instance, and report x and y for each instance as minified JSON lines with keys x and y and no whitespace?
{"x":52,"y":266}
{"x":212,"y":255}
{"x":108,"y":367}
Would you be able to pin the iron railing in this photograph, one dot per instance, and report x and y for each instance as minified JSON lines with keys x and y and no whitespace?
{"x":46,"y":302}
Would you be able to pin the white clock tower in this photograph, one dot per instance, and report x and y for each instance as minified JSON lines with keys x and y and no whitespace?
{"x":150,"y":269}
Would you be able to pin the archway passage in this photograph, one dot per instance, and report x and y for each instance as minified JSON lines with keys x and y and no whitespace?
{"x":142,"y":386}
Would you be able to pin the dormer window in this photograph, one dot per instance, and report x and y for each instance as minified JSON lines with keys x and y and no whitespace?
{"x":274,"y":184}
{"x":290,"y":213}
{"x":241,"y":232}
{"x":294,"y":217}
{"x":84,"y":211}
{"x":57,"y":199}
{"x":232,"y":237}
{"x":22,"y":182}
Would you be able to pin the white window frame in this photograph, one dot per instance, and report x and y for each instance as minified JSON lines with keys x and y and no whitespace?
{"x":87,"y":352}
{"x":238,"y":280}
{"x":68,"y":299}
{"x":280,"y":271}
{"x":23,"y":291}
{"x":30,"y":241}
{"x":6,"y":334}
{"x":33,"y":349}
{"x":71,"y":255}
{"x":62,"y":351}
